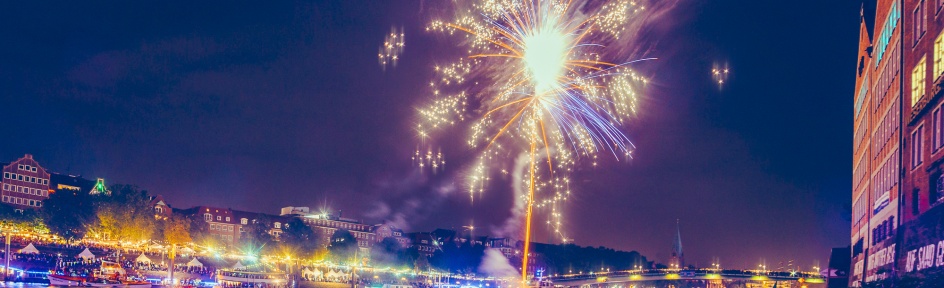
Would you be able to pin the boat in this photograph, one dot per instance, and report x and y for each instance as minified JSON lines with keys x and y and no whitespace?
{"x":109,"y":275}
{"x":243,"y":277}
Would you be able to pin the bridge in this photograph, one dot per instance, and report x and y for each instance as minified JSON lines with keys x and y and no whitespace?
{"x":713,"y":277}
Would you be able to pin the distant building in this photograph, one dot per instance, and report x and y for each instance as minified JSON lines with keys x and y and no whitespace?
{"x":69,"y":182}
{"x":326,"y":224}
{"x":677,"y":260}
{"x":222,"y":224}
{"x":229,"y":225}
{"x":25,"y":183}
{"x":382,"y":231}
{"x":423,"y":243}
{"x":504,"y":245}
{"x":161,"y":209}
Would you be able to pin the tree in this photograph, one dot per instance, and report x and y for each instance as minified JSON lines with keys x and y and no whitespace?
{"x":255,"y":236}
{"x":299,"y":237}
{"x":125,"y":215}
{"x":343,"y":246}
{"x":27,"y":220}
{"x":176,"y":231}
{"x":69,"y":213}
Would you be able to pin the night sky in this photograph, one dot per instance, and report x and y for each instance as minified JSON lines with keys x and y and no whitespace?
{"x":260,"y":105}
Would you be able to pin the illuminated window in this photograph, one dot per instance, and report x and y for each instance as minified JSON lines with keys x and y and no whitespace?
{"x":227,"y":219}
{"x":939,"y":55}
{"x":917,"y":153}
{"x":917,"y":81}
{"x":244,"y":221}
{"x":278,"y":225}
{"x":207,"y":217}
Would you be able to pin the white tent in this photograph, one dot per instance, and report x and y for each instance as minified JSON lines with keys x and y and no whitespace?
{"x":29,"y":249}
{"x":143,"y":259}
{"x":194,"y":263}
{"x":239,"y":265}
{"x":332,"y":274}
{"x":87,"y":255}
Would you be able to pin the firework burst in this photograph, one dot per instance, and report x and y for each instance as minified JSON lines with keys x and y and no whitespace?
{"x":392,"y":47}
{"x":543,"y":78}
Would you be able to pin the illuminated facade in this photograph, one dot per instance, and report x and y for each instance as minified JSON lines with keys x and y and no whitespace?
{"x":921,"y":244}
{"x":877,"y":141}
{"x":25,"y":184}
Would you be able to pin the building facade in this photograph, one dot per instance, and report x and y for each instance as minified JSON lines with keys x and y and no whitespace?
{"x":326,"y":224}
{"x":921,"y":243}
{"x":877,"y":141}
{"x":25,"y":183}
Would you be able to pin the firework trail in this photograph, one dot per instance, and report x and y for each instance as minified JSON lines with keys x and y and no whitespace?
{"x":543,"y":78}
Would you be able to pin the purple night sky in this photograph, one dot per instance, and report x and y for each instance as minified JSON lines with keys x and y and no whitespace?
{"x":259,"y":105}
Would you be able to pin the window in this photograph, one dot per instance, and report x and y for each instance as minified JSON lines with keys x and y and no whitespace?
{"x":278,"y":225}
{"x":227,"y":219}
{"x":917,"y":154}
{"x":45,"y":181}
{"x":920,"y":22}
{"x":39,"y":204}
{"x":917,"y":81}
{"x":244,"y":221}
{"x":936,"y":128}
{"x":34,"y":169}
{"x":19,"y":177}
{"x":207,"y":217}
{"x":6,"y":187}
{"x":219,"y":218}
{"x":20,"y":167}
{"x":6,"y":175}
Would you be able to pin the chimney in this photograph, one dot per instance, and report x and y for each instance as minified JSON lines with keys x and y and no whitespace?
{"x":28,"y":156}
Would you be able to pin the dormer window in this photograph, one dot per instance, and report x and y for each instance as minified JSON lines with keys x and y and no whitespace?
{"x":278,"y":225}
{"x":244,"y":221}
{"x":208,"y":217}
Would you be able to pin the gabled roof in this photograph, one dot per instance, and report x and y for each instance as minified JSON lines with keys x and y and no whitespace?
{"x":867,"y":14}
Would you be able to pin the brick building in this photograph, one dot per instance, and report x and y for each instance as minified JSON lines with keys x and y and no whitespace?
{"x":326,"y":224}
{"x":921,"y":234}
{"x":230,"y":225}
{"x":877,"y":140}
{"x":25,"y":183}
